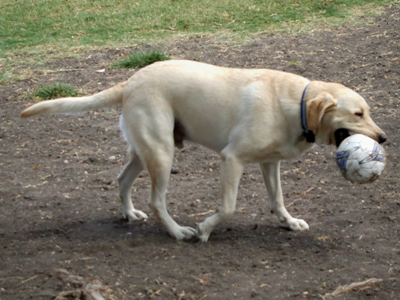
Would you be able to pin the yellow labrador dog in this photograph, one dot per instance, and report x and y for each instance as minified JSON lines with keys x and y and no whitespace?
{"x":245,"y":115}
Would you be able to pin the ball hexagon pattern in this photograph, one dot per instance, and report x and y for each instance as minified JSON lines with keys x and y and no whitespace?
{"x":360,"y":159}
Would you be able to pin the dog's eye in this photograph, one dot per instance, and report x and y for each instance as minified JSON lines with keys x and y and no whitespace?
{"x":359,"y":114}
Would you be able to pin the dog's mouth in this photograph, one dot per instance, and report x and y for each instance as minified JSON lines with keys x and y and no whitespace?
{"x":340,"y":135}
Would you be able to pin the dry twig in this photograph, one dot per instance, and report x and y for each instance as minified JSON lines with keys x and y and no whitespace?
{"x":202,"y":213}
{"x":342,"y":289}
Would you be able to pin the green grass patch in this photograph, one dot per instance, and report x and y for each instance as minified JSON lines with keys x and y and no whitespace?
{"x":27,"y":24}
{"x":56,"y":90}
{"x":4,"y":77}
{"x":34,"y":31}
{"x":141,"y":59}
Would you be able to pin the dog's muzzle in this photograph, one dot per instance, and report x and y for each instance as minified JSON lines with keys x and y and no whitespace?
{"x":342,"y":134}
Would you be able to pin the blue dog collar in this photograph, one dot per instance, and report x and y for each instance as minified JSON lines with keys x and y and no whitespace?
{"x":308,"y":134}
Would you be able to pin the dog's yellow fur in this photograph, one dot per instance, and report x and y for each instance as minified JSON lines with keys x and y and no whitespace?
{"x":245,"y":115}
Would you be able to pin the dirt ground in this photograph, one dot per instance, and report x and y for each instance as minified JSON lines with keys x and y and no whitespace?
{"x":59,"y":206}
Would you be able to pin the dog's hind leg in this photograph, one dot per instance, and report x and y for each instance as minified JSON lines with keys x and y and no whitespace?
{"x":125,"y":181}
{"x":148,"y":126}
{"x":271,"y":174}
{"x":158,"y":161}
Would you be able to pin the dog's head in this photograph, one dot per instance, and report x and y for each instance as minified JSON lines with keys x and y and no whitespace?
{"x":334,"y":112}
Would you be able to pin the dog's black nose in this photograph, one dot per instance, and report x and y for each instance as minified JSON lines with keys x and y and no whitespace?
{"x":382,"y":138}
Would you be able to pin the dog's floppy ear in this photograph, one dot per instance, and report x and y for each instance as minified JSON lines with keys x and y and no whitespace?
{"x":317,"y":107}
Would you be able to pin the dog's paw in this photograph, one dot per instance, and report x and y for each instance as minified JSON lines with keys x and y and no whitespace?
{"x":295,"y":224}
{"x":134,"y":215}
{"x":202,"y":233}
{"x":183,"y":233}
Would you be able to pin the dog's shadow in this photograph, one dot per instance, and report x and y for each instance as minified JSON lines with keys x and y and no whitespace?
{"x":264,"y":236}
{"x":116,"y":231}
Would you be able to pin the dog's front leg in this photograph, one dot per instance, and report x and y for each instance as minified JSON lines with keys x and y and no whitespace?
{"x":271,"y":174}
{"x":231,"y":171}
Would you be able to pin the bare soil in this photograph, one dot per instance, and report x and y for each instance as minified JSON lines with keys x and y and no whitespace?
{"x":59,"y":206}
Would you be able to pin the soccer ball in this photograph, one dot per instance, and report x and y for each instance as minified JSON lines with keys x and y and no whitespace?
{"x":360,"y":159}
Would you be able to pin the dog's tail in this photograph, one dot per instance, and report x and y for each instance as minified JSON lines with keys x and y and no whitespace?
{"x":109,"y":97}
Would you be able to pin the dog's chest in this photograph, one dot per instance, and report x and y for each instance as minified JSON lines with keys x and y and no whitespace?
{"x":289,"y":151}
